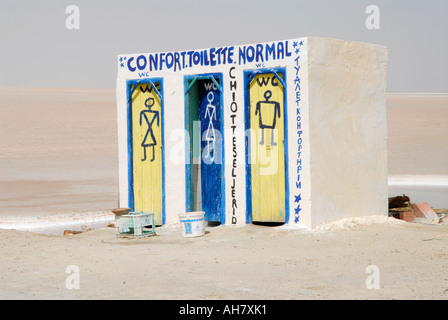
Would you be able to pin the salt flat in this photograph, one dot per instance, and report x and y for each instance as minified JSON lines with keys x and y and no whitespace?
{"x":58,"y":162}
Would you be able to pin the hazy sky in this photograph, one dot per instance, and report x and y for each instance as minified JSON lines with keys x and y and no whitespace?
{"x":37,"y":49}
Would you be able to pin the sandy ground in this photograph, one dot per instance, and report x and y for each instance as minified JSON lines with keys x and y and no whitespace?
{"x":58,"y":158}
{"x":253,"y":262}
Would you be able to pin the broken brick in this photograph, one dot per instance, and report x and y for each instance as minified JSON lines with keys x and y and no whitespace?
{"x":407,"y":216}
{"x":424,"y":210}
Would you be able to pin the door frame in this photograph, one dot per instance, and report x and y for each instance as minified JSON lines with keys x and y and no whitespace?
{"x":249,"y":75}
{"x":189,"y":80}
{"x":129,"y":92}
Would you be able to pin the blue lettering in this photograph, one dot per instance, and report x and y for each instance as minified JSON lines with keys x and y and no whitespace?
{"x":259,"y":56}
{"x":162,"y":60}
{"x":298,"y":128}
{"x":258,"y":53}
{"x":242,"y":55}
{"x":190,"y":55}
{"x":212,"y":57}
{"x":139,"y":66}
{"x":288,"y":54}
{"x":196,"y":58}
{"x":132,"y":69}
{"x":270,"y":51}
{"x":230,"y":55}
{"x":153,"y":62}
{"x":250,"y":56}
{"x":280,"y":49}
{"x":218,"y":53}
{"x":169,"y":60}
{"x":206,"y":61}
{"x":176,"y":61}
{"x":224,"y":54}
{"x":183,"y":53}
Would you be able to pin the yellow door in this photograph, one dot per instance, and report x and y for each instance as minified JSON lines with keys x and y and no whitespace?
{"x":267,"y":152}
{"x":147,"y":151}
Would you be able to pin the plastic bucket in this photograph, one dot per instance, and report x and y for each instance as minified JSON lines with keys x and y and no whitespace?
{"x":193,"y":224}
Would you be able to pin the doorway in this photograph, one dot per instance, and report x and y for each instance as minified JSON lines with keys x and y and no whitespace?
{"x":145,"y":147}
{"x":204,"y":125}
{"x":266,"y":147}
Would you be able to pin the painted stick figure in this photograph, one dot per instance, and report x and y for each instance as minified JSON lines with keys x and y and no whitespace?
{"x":270,"y":122}
{"x":149,"y":140}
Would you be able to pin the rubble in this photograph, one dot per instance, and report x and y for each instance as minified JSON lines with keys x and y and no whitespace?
{"x":399,"y":202}
{"x":401,"y":207}
{"x":407,"y":216}
{"x":424,"y":210}
{"x":72,"y":232}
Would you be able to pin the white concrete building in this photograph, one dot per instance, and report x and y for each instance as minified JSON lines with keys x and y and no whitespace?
{"x":289,"y":131}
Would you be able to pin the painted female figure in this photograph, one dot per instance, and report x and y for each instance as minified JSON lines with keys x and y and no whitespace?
{"x":149,"y":140}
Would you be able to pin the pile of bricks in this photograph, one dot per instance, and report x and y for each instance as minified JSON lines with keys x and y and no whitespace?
{"x":422,"y":210}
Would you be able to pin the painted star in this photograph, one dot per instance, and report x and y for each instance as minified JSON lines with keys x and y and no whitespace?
{"x":298,"y":209}
{"x":296,"y":219}
{"x":298,"y":198}
{"x":297,"y":50}
{"x":301,"y":43}
{"x":122,"y":65}
{"x":295,"y":44}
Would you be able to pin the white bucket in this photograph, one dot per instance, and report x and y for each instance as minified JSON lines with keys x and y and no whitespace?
{"x":192,"y":223}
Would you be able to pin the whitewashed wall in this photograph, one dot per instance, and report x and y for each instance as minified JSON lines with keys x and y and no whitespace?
{"x":336,"y":126}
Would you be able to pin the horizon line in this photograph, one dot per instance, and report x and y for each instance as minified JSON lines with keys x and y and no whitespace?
{"x":402,"y":93}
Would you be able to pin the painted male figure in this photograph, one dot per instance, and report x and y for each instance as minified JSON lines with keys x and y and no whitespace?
{"x":267,"y":123}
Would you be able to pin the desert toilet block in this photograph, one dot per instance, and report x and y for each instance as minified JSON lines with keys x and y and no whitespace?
{"x":282,"y":132}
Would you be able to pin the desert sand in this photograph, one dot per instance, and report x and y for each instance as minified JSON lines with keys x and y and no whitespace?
{"x":58,"y":164}
{"x":253,"y":262}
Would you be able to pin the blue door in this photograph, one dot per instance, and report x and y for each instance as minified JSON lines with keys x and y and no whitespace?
{"x":211,"y":149}
{"x":204,"y":167}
